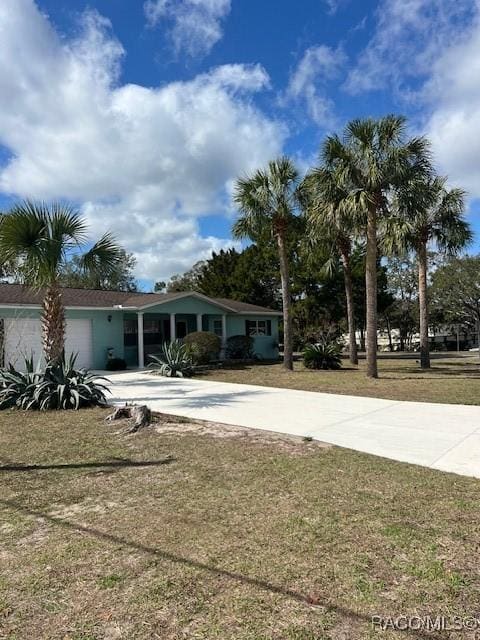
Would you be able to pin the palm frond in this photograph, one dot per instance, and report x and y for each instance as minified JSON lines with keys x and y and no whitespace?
{"x":266,"y":199}
{"x":103,"y":257}
{"x":40,"y":236}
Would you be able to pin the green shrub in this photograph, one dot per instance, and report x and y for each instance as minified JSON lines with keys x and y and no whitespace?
{"x":204,"y":346}
{"x":239,"y":348}
{"x":174,"y":360}
{"x":58,"y":386}
{"x":323,"y":355}
{"x":116,"y":364}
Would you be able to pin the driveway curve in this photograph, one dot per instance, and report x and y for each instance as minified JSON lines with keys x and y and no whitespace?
{"x":439,"y":436}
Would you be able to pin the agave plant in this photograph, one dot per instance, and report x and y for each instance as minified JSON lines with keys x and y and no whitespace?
{"x":64,"y":387}
{"x":323,"y":355}
{"x":17,"y":388}
{"x":58,"y":386}
{"x":174,"y":361}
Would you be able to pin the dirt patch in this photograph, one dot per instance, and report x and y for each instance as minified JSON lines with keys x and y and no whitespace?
{"x":296,"y":445}
{"x":80,"y":508}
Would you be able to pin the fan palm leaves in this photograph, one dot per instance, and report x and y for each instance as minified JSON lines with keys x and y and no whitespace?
{"x":268,"y":201}
{"x":371,"y":161}
{"x":331,"y":226}
{"x":427,"y":212}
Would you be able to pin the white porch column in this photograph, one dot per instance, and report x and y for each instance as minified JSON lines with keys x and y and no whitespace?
{"x":141,"y":355}
{"x":224,"y":335}
{"x":173,"y":328}
{"x":199,"y":322}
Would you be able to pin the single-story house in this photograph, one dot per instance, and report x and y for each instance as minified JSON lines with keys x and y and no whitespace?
{"x":128,"y":325}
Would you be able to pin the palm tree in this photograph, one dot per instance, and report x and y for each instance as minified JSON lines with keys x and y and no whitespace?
{"x":373,"y":159}
{"x":268,"y":202}
{"x":41,"y":238}
{"x":331,"y":226}
{"x":428,"y":212}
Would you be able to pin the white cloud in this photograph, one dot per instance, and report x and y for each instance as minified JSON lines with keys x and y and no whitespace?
{"x":334,"y":5}
{"x":308,"y":82}
{"x":143,"y":162}
{"x":428,"y":51}
{"x":453,"y":95}
{"x":196,"y":25}
{"x":409,"y":35}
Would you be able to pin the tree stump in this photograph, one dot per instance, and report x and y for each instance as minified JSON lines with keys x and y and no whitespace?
{"x":140,"y":415}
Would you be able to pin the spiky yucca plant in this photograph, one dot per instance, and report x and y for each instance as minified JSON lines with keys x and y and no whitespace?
{"x":59,"y":386}
{"x":174,"y":361}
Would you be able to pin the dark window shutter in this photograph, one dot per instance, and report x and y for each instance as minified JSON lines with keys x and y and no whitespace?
{"x":269,"y":327}
{"x":248,"y":325}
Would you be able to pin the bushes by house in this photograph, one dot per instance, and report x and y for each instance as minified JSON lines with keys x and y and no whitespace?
{"x":239,"y":348}
{"x":204,"y":346}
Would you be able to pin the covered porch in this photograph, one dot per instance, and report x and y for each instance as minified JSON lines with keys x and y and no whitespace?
{"x":145,"y":332}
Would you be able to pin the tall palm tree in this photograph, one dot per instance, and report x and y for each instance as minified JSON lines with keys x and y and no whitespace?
{"x":42,"y":237}
{"x":268,"y":202}
{"x":330,"y":225}
{"x":427,"y":212}
{"x":372,"y":160}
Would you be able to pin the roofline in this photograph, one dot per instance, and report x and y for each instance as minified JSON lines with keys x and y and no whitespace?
{"x":189,"y":294}
{"x":260,"y":313}
{"x":9,"y":305}
{"x":178,"y":296}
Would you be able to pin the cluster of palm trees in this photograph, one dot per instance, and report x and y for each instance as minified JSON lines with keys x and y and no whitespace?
{"x":374,"y":184}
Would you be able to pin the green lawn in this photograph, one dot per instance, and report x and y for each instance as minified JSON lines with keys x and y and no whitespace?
{"x":238,"y":536}
{"x":451,"y":379}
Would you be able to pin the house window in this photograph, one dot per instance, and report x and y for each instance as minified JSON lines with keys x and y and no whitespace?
{"x":130,"y":326}
{"x":217,"y":328}
{"x":151,"y":326}
{"x":256,"y":328}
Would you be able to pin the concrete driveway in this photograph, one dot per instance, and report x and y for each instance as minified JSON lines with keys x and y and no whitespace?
{"x":440,"y":436}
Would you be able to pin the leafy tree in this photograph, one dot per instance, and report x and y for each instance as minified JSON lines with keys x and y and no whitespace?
{"x":455,"y":291}
{"x":428,"y":213}
{"x":42,"y":237}
{"x":159,"y":286}
{"x":249,"y":276}
{"x":268,"y":203}
{"x":187,"y":281}
{"x":402,"y":312}
{"x":120,"y":278}
{"x":372,"y":159}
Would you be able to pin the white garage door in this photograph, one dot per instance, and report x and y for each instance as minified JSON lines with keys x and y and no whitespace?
{"x":79,"y":340}
{"x":23,"y":339}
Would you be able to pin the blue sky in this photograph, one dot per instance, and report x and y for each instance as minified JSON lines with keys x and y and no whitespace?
{"x":143,"y":113}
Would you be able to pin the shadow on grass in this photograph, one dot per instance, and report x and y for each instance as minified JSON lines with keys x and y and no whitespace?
{"x":119,"y":463}
{"x":434,"y":373}
{"x":262,"y":584}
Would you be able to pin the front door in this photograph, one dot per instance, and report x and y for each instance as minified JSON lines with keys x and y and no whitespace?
{"x":181,"y":329}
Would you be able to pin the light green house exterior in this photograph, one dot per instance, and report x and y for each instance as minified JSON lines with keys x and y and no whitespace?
{"x":130,"y":325}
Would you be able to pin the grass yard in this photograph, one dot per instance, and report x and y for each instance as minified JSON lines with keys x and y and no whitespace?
{"x":239,"y":535}
{"x":453,"y":380}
